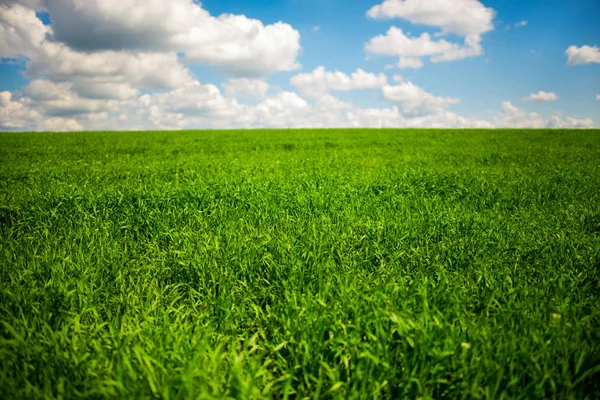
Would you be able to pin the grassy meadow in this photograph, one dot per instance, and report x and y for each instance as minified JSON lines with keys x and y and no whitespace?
{"x":333,"y":264}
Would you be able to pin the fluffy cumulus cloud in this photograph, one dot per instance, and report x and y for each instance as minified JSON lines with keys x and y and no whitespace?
{"x":513,"y":117}
{"x":393,"y":118}
{"x":414,"y":100}
{"x":583,"y":55}
{"x":127,"y":64}
{"x":104,"y":74}
{"x":253,"y":89}
{"x":409,"y":48}
{"x":36,"y":4}
{"x":59,"y":99}
{"x":195,"y":103}
{"x":541,"y":97}
{"x":60,"y":124}
{"x":21,"y":31}
{"x":137,"y":43}
{"x":461,"y":17}
{"x":321,"y":81}
{"x":409,"y":62}
{"x":282,"y":110}
{"x":236,"y":44}
{"x":100,"y":56}
{"x":17,"y":114}
{"x":204,"y":106}
{"x":467,"y":18}
{"x":14,"y":114}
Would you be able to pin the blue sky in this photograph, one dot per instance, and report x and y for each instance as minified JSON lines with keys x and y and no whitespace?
{"x":181,"y":65}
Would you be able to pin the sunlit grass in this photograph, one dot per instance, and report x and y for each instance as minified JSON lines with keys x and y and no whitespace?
{"x":318,"y":264}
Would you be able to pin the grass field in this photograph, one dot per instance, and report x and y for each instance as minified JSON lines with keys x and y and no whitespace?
{"x":300,"y":264}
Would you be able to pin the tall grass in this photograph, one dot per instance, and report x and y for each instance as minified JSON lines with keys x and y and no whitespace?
{"x":300,"y":264}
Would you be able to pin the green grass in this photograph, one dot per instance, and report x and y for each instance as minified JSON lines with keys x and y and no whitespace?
{"x":300,"y":264}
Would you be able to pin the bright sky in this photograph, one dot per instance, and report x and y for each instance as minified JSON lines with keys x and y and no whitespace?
{"x":183,"y":64}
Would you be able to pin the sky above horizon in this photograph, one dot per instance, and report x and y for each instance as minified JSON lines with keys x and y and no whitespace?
{"x":223,"y":64}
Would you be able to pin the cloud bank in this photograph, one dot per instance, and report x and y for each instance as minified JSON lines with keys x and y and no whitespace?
{"x":128,"y":64}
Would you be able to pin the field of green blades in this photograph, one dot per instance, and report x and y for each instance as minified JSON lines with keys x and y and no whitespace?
{"x":330,"y":264}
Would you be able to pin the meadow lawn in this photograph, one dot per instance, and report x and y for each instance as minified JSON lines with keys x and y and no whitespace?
{"x":300,"y":264}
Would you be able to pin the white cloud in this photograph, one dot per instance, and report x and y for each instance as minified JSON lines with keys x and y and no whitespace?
{"x":511,"y":116}
{"x":285,"y":109}
{"x":195,"y":99}
{"x":514,"y":117}
{"x":541,"y":97}
{"x":237,"y":45}
{"x":245,"y":47}
{"x":320,"y":81}
{"x":570,"y":123}
{"x":61,"y":124}
{"x":121,"y":64}
{"x":5,"y":98}
{"x":99,"y":75}
{"x":408,"y":62}
{"x":108,"y":74}
{"x":254,"y":89}
{"x":409,"y":48}
{"x":37,"y":4}
{"x":193,"y":106}
{"x":21,"y":32}
{"x":393,"y":118}
{"x":14,"y":114}
{"x":316,"y":28}
{"x":598,"y":97}
{"x":59,"y":99}
{"x":414,"y":100}
{"x":395,"y":42}
{"x":466,"y":18}
{"x":583,"y":55}
{"x":204,"y":106}
{"x":461,"y":17}
{"x":330,"y":111}
{"x":141,"y":41}
{"x":43,"y":89}
{"x":520,"y":24}
{"x":89,"y":68}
